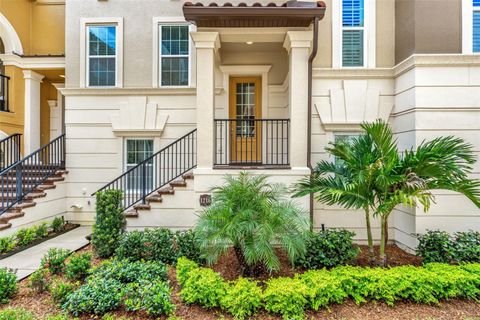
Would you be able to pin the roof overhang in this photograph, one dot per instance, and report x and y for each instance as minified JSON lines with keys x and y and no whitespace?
{"x":289,"y":14}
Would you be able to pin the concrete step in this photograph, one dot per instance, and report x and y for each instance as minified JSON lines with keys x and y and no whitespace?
{"x":4,"y":226}
{"x":6,"y":217}
{"x":154,"y":198}
{"x":166,"y":190}
{"x":131,"y":214}
{"x":141,"y":207}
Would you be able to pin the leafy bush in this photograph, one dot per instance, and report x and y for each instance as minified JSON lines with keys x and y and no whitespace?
{"x":78,"y":266}
{"x":286,"y":296}
{"x":467,"y":246}
{"x":8,"y":285}
{"x":151,"y":297}
{"x":188,"y":247}
{"x":54,"y":260}
{"x":109,"y":222}
{"x":38,"y":280}
{"x":59,"y":317}
{"x":324,"y":288}
{"x":126,"y":271}
{"x":26,"y":236}
{"x":97,"y":296}
{"x":16,"y":314}
{"x":58,"y":224}
{"x":7,"y":244}
{"x":184,"y":266}
{"x":435,"y":246}
{"x":61,"y":290}
{"x":203,"y":286}
{"x":327,"y":249}
{"x":41,"y":230}
{"x":132,"y":246}
{"x":242,"y":298}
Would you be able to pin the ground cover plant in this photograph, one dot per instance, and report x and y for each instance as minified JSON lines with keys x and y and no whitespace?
{"x":8,"y":285}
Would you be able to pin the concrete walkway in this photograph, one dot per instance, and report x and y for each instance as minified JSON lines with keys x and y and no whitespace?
{"x":27,"y":261}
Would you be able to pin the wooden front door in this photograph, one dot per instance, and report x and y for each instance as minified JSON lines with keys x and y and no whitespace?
{"x":245,"y":125}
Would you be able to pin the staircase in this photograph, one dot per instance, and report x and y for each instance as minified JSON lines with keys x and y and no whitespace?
{"x":157,"y":177}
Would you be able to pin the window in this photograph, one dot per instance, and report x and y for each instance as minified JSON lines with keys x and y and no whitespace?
{"x":136,"y":151}
{"x":344,"y":137}
{"x":102,"y":59}
{"x":174,"y":55}
{"x":476,"y":26}
{"x":353,"y":17}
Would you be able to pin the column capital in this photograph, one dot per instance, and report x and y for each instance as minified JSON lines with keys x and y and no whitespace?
{"x":297,"y":39}
{"x":32,"y":75}
{"x":206,"y":40}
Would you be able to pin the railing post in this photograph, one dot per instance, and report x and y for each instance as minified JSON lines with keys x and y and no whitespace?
{"x":19,"y":182}
{"x":144,"y":183}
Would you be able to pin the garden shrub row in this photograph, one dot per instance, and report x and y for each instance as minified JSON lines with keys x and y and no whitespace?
{"x":440,"y":246}
{"x":8,"y":285}
{"x":26,"y":236}
{"x":315,"y":289}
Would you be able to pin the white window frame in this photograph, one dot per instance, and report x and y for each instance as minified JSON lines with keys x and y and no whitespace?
{"x":369,"y":35}
{"x":467,"y":26}
{"x":336,"y":134}
{"x":85,"y":23}
{"x":156,"y":55}
{"x":125,"y":156}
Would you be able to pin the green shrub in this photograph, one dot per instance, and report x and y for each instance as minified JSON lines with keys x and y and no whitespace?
{"x":327,"y":249}
{"x":41,"y":231}
{"x":38,"y":280}
{"x":97,"y":296}
{"x":16,"y":314}
{"x":78,"y":266}
{"x":435,"y":246}
{"x":59,"y":317}
{"x":126,"y":271}
{"x":151,"y":297}
{"x":188,"y":247}
{"x":242,"y":298}
{"x":8,"y":285}
{"x":58,"y":224}
{"x":184,"y":266}
{"x":54,"y":260}
{"x":286,"y":296}
{"x":61,"y":290}
{"x":7,"y":244}
{"x":109,"y":222}
{"x":467,"y":246}
{"x":203,"y":286}
{"x":132,"y":246}
{"x":324,"y":289}
{"x":159,"y":245}
{"x":26,"y":236}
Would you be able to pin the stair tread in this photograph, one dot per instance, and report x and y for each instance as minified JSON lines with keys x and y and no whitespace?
{"x":4,"y":226}
{"x":131,"y":214}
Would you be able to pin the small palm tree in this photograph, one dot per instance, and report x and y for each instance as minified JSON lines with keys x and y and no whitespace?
{"x":253,"y":216}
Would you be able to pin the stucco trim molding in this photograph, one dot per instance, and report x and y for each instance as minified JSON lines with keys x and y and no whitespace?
{"x":9,"y":36}
{"x":33,"y":62}
{"x":132,"y":91}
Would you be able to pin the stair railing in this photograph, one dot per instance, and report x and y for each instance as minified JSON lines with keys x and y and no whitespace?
{"x":156,"y":171}
{"x":26,"y":175}
{"x":10,"y":151}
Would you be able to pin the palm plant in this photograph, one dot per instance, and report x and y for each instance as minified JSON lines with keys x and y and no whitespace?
{"x":253,"y":216}
{"x":372,"y":175}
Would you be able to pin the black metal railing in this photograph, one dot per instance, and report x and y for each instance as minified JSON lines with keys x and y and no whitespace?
{"x":4,"y":80}
{"x":158,"y":170}
{"x":255,"y":142}
{"x":24,"y":176}
{"x":10,"y":151}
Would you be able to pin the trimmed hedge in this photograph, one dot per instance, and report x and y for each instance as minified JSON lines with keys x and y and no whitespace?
{"x":291,"y":297}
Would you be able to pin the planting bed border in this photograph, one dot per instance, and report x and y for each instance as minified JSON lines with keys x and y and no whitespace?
{"x":38,"y":241}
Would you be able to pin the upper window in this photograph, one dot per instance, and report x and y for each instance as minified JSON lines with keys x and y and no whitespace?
{"x":102,"y":55}
{"x":476,"y":26}
{"x":174,"y":55}
{"x":353,"y":33}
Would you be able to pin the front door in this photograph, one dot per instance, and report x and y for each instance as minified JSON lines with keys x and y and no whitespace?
{"x":245,"y":120}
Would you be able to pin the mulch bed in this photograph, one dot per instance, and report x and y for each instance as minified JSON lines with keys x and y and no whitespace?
{"x":41,"y":304}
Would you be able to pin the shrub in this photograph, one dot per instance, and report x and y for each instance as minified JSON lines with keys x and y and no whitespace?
{"x":26,"y":236}
{"x":151,"y":297}
{"x":78,"y":266}
{"x":16,"y":314}
{"x":286,"y":296}
{"x":327,"y":249}
{"x":435,"y":246}
{"x":54,"y":260}
{"x":160,"y":245}
{"x":184,"y":266}
{"x":109,"y":222}
{"x":242,"y":298}
{"x":188,"y":247}
{"x":41,"y":231}
{"x":38,"y":280}
{"x":61,"y":290}
{"x":8,"y":285}
{"x":323,"y":288}
{"x":203,"y":286}
{"x":97,"y":296}
{"x":132,"y":246}
{"x":58,"y":224}
{"x":467,"y":246}
{"x":7,"y":244}
{"x":59,"y":317}
{"x":126,"y":271}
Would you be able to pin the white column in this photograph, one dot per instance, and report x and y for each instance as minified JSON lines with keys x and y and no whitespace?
{"x":297,"y":44}
{"x":31,"y":136}
{"x":206,"y":44}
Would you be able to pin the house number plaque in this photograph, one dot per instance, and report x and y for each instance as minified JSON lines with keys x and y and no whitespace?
{"x":205,"y":200}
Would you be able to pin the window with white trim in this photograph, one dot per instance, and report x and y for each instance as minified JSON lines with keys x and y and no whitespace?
{"x":345,"y":137}
{"x":353,"y":33}
{"x":101,"y":55}
{"x":476,"y":26}
{"x":136,"y":151}
{"x":174,"y":54}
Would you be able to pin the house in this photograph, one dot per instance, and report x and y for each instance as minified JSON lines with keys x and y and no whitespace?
{"x":162,"y":98}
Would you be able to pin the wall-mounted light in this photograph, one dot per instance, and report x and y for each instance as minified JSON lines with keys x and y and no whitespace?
{"x":249,"y":42}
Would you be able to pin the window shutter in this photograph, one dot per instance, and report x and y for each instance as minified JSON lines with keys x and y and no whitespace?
{"x":353,"y":13}
{"x":476,"y":30}
{"x":352,"y":48}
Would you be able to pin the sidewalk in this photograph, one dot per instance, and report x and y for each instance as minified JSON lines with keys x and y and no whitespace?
{"x":26,"y":262}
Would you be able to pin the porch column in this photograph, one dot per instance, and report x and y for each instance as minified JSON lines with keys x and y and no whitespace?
{"x":31,"y":135}
{"x":297,"y":44}
{"x":206,"y":44}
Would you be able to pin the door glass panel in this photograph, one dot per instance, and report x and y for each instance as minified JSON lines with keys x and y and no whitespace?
{"x":245,"y":109}
{"x":136,"y":152}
